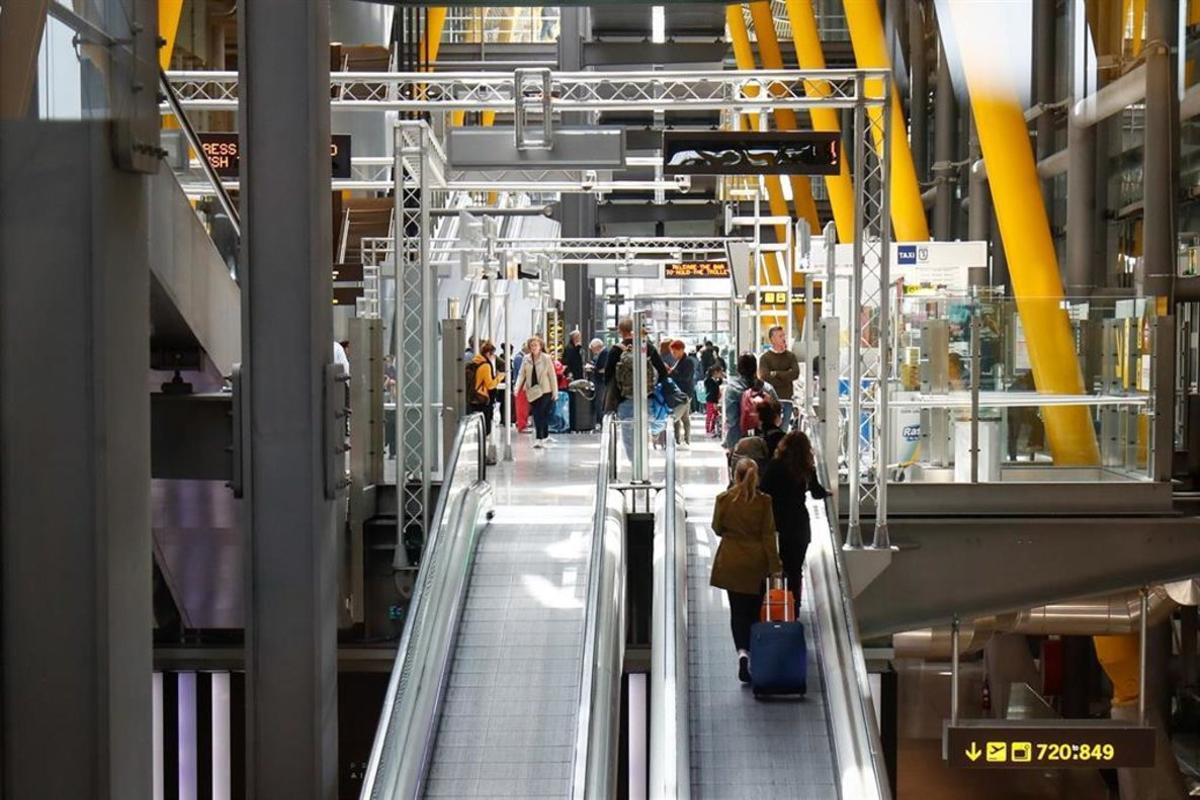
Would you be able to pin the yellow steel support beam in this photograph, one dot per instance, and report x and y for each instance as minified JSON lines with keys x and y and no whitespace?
{"x":810,"y":55}
{"x":21,"y":29}
{"x":169,"y":14}
{"x":785,"y":118}
{"x":1139,"y":27}
{"x":870,"y":51}
{"x":743,"y":54}
{"x":431,"y":39}
{"x":1033,"y":265}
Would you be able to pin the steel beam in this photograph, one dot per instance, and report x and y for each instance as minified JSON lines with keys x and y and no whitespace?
{"x":291,"y":621}
{"x":945,"y":149}
{"x":75,"y":549}
{"x":978,"y":566}
{"x":918,"y":105}
{"x":1161,"y":153}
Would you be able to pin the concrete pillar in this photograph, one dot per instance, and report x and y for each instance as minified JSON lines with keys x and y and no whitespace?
{"x":1161,"y":154}
{"x":291,"y":613}
{"x":75,"y":589}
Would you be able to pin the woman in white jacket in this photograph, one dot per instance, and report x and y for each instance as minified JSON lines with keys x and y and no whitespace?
{"x":538,"y":380}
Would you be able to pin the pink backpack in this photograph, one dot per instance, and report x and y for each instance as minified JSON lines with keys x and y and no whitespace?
{"x":751,"y":400}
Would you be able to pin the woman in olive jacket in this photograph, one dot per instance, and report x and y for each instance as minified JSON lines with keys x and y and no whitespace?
{"x":747,"y":555}
{"x":789,"y":474}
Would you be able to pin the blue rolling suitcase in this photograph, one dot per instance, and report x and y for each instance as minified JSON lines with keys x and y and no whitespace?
{"x":778,"y":656}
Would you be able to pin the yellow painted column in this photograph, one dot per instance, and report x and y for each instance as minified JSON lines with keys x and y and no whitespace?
{"x":785,"y":118}
{"x":169,"y":12}
{"x":743,"y":54}
{"x":1033,"y":265}
{"x":810,"y":55}
{"x":870,"y":51}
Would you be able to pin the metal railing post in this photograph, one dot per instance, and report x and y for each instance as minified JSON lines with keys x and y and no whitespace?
{"x":1145,"y":603}
{"x":640,"y":433}
{"x":509,"y":352}
{"x":954,"y":671}
{"x":975,"y":380}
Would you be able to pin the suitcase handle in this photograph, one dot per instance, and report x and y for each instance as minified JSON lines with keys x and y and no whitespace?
{"x":770,"y":582}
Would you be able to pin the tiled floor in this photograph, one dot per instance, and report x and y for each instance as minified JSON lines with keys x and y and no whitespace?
{"x":740,"y":747}
{"x":507,"y":727}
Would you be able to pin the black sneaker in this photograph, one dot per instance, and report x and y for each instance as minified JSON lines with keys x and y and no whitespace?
{"x":744,"y":669}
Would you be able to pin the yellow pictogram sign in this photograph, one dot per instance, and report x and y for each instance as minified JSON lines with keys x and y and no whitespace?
{"x":973,"y":752}
{"x":997,"y":752}
{"x":1021,"y":752}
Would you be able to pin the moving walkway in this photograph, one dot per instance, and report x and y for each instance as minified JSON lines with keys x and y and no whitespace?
{"x":714,"y":739}
{"x":507,"y":677}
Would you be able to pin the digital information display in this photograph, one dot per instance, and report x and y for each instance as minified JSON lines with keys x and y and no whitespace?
{"x":221,"y":149}
{"x":1087,"y":744}
{"x":698,"y":269}
{"x":752,"y":153}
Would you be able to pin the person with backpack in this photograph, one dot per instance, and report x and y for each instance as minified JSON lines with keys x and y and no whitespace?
{"x":618,"y":376}
{"x":744,"y":395}
{"x":748,"y":554}
{"x":789,"y":475}
{"x":540,"y":383}
{"x":482,"y":380}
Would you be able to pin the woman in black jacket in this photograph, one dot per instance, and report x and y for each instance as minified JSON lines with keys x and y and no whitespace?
{"x":789,"y":475}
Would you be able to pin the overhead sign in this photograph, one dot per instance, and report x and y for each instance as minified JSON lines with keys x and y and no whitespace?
{"x":751,"y":153}
{"x":1048,"y":744}
{"x":697,"y":269}
{"x":223,"y":153}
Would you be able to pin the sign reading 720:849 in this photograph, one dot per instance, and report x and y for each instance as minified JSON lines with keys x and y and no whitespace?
{"x":1042,"y":746}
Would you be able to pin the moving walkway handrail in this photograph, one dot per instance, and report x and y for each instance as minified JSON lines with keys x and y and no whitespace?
{"x":593,"y":773}
{"x":408,"y":723}
{"x":670,"y":742}
{"x":854,"y":730}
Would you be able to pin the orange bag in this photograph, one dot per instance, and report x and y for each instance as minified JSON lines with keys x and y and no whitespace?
{"x":779,"y":605}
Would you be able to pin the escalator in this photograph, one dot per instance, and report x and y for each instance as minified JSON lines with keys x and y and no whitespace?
{"x":507,"y":677}
{"x":728,"y":744}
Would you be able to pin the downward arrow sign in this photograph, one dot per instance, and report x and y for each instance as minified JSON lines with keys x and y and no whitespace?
{"x":974,"y":752}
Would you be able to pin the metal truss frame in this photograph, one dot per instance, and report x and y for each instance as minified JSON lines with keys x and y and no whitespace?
{"x":867,"y":435}
{"x":419,"y":170}
{"x":742,"y":91}
{"x":576,"y":251}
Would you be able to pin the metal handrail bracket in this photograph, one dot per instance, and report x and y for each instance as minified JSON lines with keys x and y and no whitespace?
{"x":670,"y":742}
{"x":862,"y":772}
{"x":407,"y":726}
{"x":594,"y":769}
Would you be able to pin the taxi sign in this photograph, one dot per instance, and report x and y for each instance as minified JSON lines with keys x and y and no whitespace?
{"x":1047,"y":744}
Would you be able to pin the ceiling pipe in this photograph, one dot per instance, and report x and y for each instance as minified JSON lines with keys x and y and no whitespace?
{"x":1099,"y":616}
{"x":1056,"y":163}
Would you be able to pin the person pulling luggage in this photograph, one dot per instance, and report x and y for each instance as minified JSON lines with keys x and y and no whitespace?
{"x":789,"y":475}
{"x":748,"y":554}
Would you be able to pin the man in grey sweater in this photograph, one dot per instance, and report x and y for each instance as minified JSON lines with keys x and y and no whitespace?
{"x":779,"y":367}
